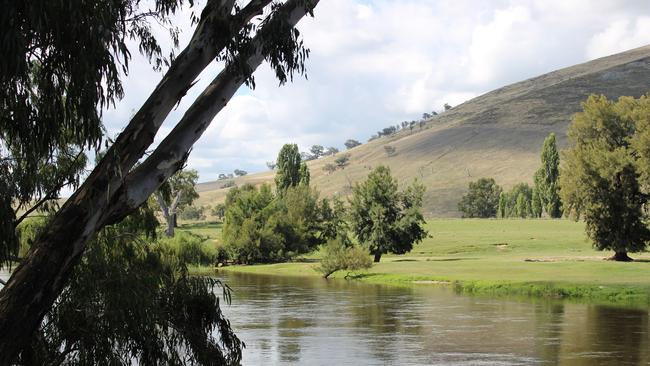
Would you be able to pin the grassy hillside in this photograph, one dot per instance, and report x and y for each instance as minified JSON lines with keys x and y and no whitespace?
{"x":498,"y":134}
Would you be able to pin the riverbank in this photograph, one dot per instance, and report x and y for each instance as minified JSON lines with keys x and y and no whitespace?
{"x":542,"y":258}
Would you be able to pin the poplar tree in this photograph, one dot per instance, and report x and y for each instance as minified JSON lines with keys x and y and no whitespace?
{"x":547,"y":178}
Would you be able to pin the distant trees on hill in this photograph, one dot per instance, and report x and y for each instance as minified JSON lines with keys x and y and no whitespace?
{"x":350,"y":143}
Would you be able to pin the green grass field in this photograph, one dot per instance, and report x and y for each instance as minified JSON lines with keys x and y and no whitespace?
{"x":522,"y":257}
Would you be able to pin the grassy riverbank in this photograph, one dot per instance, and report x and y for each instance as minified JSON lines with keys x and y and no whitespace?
{"x":550,"y":258}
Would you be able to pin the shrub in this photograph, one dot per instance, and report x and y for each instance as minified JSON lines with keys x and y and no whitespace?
{"x":338,"y":257}
{"x":191,"y":248}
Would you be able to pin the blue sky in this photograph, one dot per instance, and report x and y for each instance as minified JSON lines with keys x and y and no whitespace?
{"x":376,"y":63}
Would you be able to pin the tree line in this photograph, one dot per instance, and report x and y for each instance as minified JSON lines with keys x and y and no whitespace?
{"x":604,"y":180}
{"x":263,"y":225}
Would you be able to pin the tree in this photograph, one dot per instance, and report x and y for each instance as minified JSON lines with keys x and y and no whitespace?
{"x":288,"y":167}
{"x":536,"y":204}
{"x":317,"y":151}
{"x":340,"y":257}
{"x":522,"y":207}
{"x":404,"y":124}
{"x":503,"y":210}
{"x":176,"y":193}
{"x":482,"y":199}
{"x":411,"y":125}
{"x":329,"y":168}
{"x":240,"y":173}
{"x":174,"y":316}
{"x":426,"y":116}
{"x":342,"y":161}
{"x":331,"y":151}
{"x":600,"y":180}
{"x":547,"y":178}
{"x":219,"y":211}
{"x":422,"y":124}
{"x":116,"y":187}
{"x":384,"y":219}
{"x":447,"y":107}
{"x":390,"y":150}
{"x":222,"y":176}
{"x":350,"y":143}
{"x":270,"y":165}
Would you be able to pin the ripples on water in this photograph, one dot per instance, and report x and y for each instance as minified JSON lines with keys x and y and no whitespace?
{"x":286,"y":321}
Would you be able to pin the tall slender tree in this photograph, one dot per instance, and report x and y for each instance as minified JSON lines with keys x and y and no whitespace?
{"x":547,"y":178}
{"x":116,"y":187}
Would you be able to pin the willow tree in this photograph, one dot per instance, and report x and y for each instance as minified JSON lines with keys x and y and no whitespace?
{"x":52,"y":92}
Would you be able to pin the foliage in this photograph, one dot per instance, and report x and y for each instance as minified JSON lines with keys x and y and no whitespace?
{"x":547,"y":178}
{"x":482,"y":199}
{"x":191,"y":248}
{"x":517,"y":202}
{"x":390,"y":150}
{"x":342,"y":161}
{"x":290,"y":170}
{"x":331,"y":151}
{"x":334,"y":220}
{"x":337,"y":256}
{"x":329,"y":168}
{"x":270,"y":165}
{"x":219,"y":211}
{"x":317,"y":151}
{"x":240,"y":173}
{"x":536,"y":204}
{"x":175,"y":194}
{"x":384,"y":219}
{"x":350,"y":143}
{"x":135,"y":302}
{"x":600,"y":180}
{"x":262,"y":227}
{"x":192,"y":213}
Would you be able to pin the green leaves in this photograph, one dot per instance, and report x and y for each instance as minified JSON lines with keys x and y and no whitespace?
{"x":384,"y":219}
{"x":481,"y":200}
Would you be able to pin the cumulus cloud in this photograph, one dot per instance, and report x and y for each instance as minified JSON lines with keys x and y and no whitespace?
{"x":378,"y":62}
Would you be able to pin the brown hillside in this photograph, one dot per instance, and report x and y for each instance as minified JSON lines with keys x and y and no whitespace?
{"x":498,"y":134}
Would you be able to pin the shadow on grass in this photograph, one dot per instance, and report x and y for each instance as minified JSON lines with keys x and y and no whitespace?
{"x":450,"y":259}
{"x":305,"y":260}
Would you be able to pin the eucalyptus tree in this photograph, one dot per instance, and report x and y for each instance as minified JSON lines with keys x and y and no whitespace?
{"x":52,"y":92}
{"x":176,"y":193}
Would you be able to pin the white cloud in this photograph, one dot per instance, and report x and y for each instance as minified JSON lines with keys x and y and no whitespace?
{"x":377,"y":62}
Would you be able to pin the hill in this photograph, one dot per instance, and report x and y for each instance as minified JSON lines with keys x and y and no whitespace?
{"x":498,"y":134}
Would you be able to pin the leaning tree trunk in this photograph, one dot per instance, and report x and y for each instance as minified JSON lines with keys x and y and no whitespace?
{"x":111,"y":191}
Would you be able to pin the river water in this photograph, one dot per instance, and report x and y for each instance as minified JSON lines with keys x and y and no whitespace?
{"x":311,"y":321}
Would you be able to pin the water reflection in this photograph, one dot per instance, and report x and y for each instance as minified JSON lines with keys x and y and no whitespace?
{"x":311,"y":321}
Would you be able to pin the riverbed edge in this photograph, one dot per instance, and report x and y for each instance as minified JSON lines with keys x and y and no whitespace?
{"x":625,"y":295}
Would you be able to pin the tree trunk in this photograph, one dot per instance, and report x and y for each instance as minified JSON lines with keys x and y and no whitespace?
{"x":377,"y":257}
{"x":620,"y":257}
{"x":175,"y":220}
{"x":107,"y":195}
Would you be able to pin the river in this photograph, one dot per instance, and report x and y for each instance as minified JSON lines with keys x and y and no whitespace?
{"x":311,"y":321}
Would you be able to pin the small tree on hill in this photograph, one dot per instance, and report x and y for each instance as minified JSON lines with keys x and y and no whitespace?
{"x":390,"y":150}
{"x":329,"y":168}
{"x":177,"y":192}
{"x":384,"y":219}
{"x":317,"y":151}
{"x":482,"y":199}
{"x":342,"y":161}
{"x":599,"y":181}
{"x":547,"y":178}
{"x":350,"y":143}
{"x":240,"y":173}
{"x":331,"y":151}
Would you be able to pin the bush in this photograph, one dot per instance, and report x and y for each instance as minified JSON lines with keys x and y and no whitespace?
{"x":337,"y":257}
{"x":191,"y":248}
{"x":261,"y":227}
{"x":192,"y":213}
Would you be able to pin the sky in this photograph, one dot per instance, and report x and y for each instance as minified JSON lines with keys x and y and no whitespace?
{"x":375,"y":63}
